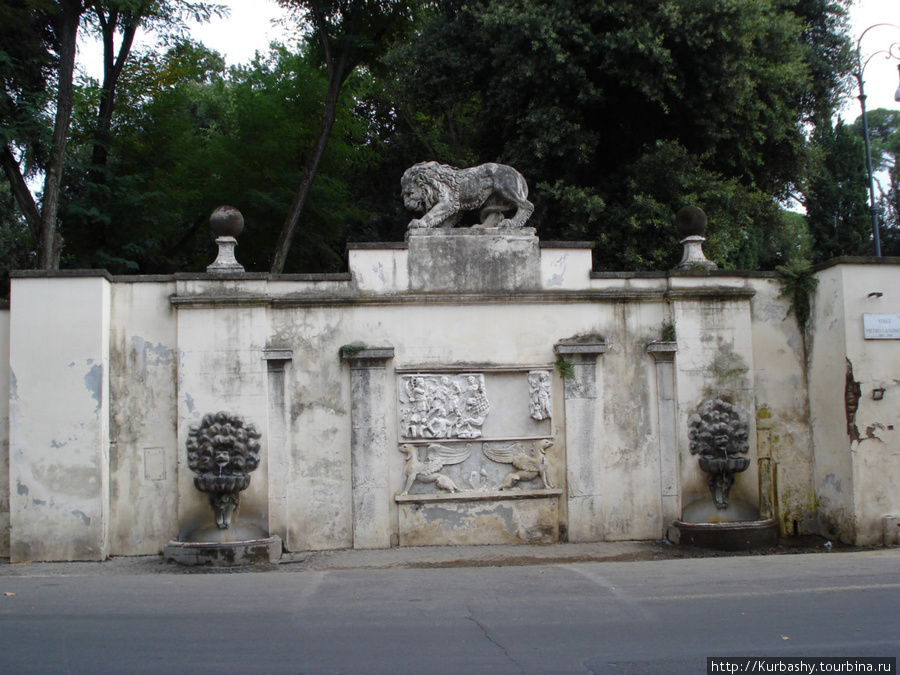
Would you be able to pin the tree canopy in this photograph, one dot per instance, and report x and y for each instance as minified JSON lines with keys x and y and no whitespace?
{"x":617,"y":112}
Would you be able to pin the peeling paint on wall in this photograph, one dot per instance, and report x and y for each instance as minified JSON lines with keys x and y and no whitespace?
{"x":83,"y":516}
{"x":149,"y":354}
{"x":93,"y":381}
{"x":852,"y":393}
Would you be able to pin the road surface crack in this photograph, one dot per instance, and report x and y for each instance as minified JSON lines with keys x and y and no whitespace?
{"x":488,"y":637}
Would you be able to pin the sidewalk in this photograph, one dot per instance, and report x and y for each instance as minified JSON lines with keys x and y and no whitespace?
{"x":419,"y":557}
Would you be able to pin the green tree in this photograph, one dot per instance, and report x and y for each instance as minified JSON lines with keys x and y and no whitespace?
{"x":836,"y":203}
{"x":884,"y":133}
{"x":620,"y":112}
{"x":123,"y":18}
{"x":348,"y":34}
{"x":190,"y":136}
{"x":37,"y":52}
{"x":28,"y":106}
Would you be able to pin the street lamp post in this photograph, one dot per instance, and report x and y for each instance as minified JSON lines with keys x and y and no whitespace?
{"x":892,"y":52}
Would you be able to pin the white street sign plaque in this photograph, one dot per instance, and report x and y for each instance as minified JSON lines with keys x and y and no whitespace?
{"x":881,"y":326}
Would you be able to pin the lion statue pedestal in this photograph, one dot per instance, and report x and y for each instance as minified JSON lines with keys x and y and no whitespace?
{"x":487,"y":260}
{"x":497,"y":255}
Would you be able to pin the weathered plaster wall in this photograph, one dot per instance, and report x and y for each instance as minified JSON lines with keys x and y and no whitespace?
{"x":857,"y":469}
{"x":714,"y":360}
{"x":59,"y":418}
{"x":4,"y":431}
{"x":143,"y":453}
{"x":828,"y":370}
{"x":784,"y":440}
{"x":629,"y":435}
{"x":221,"y":367}
{"x":109,"y":475}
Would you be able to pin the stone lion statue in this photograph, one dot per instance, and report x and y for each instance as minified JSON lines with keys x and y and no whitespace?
{"x":444,"y":192}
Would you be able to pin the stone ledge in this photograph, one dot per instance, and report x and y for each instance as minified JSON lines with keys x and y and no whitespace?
{"x":499,"y":232}
{"x":367,"y":353}
{"x":662,"y":347}
{"x":569,"y":348}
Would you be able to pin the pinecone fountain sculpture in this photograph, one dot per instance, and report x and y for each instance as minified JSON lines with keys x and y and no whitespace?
{"x":718,"y":433}
{"x":222,"y":451}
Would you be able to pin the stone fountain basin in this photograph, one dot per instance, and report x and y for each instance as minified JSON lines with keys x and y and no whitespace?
{"x":224,"y":553}
{"x":748,"y":535}
{"x":240,"y":544}
{"x":737,"y":528}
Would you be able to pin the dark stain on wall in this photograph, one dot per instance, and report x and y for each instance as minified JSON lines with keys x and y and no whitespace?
{"x":852,"y":393}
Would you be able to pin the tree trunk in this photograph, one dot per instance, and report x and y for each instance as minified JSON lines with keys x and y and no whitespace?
{"x":112,"y":70}
{"x":21,"y":192}
{"x":289,"y":229}
{"x":50,"y":241}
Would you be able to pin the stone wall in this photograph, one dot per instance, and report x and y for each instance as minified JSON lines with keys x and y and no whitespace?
{"x":854,"y":425}
{"x":4,"y":431}
{"x":109,"y":373}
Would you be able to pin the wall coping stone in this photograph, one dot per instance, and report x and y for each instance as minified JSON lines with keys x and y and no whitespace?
{"x":368,"y":353}
{"x":325,"y":299}
{"x":856,"y":260}
{"x":54,"y":274}
{"x":580,"y":348}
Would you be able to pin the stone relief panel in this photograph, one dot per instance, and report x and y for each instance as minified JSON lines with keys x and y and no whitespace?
{"x":429,"y":471}
{"x":457,"y":467}
{"x":528,"y":463}
{"x":476,"y":432}
{"x":539,"y":389}
{"x":442,"y":406}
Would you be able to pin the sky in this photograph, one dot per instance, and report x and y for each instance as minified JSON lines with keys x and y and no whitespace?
{"x":881,"y":78}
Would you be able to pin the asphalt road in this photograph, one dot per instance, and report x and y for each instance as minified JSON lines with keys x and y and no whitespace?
{"x":637,"y":617}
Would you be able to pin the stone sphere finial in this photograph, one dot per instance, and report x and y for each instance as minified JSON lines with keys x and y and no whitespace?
{"x":690,"y":221}
{"x":226,"y":221}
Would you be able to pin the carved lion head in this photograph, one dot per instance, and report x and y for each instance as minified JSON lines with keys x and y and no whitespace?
{"x":427,"y":183}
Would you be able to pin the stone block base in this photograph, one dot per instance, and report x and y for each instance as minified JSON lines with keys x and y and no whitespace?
{"x":526,"y":517}
{"x":891,"y":527}
{"x":737,"y":536}
{"x":224,"y":554}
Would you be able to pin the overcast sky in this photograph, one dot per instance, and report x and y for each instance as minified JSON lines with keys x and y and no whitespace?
{"x":249,"y":29}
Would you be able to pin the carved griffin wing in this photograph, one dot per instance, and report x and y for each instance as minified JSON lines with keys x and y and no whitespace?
{"x":507,"y":455}
{"x":441,"y":455}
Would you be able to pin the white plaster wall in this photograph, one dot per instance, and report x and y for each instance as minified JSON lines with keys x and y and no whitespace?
{"x":629,"y":433}
{"x":833,"y":466}
{"x":4,"y":433}
{"x":565,"y":268}
{"x":59,"y":418}
{"x":476,"y":335}
{"x":168,"y":365}
{"x":220,"y":367}
{"x":144,"y":448}
{"x":870,"y":440}
{"x":714,"y":360}
{"x":317,"y":397}
{"x":782,"y":407}
{"x":380,"y":270}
